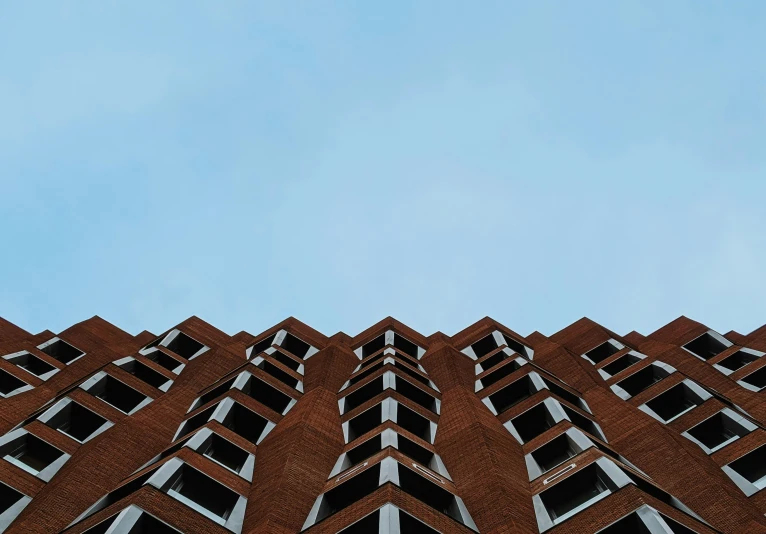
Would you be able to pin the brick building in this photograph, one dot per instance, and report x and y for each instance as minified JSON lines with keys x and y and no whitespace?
{"x":389,"y":431}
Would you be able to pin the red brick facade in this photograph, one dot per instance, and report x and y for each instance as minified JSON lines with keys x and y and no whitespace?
{"x":288,"y":431}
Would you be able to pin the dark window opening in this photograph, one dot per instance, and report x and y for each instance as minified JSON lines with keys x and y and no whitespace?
{"x":374,"y":346}
{"x":602,"y":352}
{"x":224,"y":452}
{"x":413,"y":422}
{"x":145,"y":373}
{"x":31,"y":451}
{"x":184,"y":346}
{"x":117,"y":495}
{"x":410,"y":525}
{"x":409,"y":372}
{"x":751,"y":466}
{"x":574,"y":491}
{"x":513,"y":393}
{"x":163,"y":360}
{"x":148,"y":524}
{"x":630,"y":524}
{"x":675,"y":401}
{"x":266,"y":394}
{"x":620,"y":364}
{"x":363,"y":394}
{"x":8,"y":497}
{"x":102,"y":527}
{"x":415,"y":394}
{"x":554,"y":453}
{"x":349,"y":492}
{"x":117,"y":394}
{"x":406,"y":346}
{"x":204,"y":491}
{"x":62,"y":351}
{"x":418,"y":453}
{"x":643,"y":379}
{"x":374,"y":359}
{"x":565,"y":394}
{"x":500,"y":373}
{"x":278,"y":373}
{"x":367,"y":525}
{"x":262,"y":345}
{"x":295,"y":346}
{"x":216,"y":392}
{"x":493,"y":360}
{"x":717,"y":430}
{"x":286,"y":360}
{"x":429,"y":493}
{"x":245,"y":422}
{"x":361,"y":452}
{"x":9,"y":383}
{"x":365,"y":373}
{"x":76,"y":421}
{"x":516,"y":346}
{"x":364,"y":422}
{"x":197,"y":421}
{"x":33,"y":364}
{"x":757,"y":379}
{"x":706,"y":346}
{"x":737,"y":360}
{"x":677,"y":527}
{"x":582,"y":422}
{"x":650,"y":489}
{"x":484,"y":346}
{"x":533,"y":422}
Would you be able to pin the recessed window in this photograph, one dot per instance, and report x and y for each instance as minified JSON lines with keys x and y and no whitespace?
{"x":718,"y":431}
{"x":116,"y":393}
{"x":415,"y":394}
{"x":738,"y":360}
{"x":349,"y":492}
{"x":62,"y":351}
{"x":75,"y":420}
{"x":429,"y":493}
{"x":185,"y":346}
{"x":30,"y":453}
{"x":582,"y":422}
{"x":214,"y":393}
{"x":364,"y":422}
{"x":516,"y":346}
{"x":533,"y":422}
{"x":565,"y":394}
{"x":363,"y":451}
{"x":364,"y":374}
{"x":203,"y":494}
{"x":196,"y":421}
{"x":639,"y":522}
{"x":267,"y":394}
{"x":500,"y":373}
{"x":374,"y":346}
{"x":31,"y":363}
{"x":9,"y":384}
{"x":513,"y":393}
{"x":575,"y":493}
{"x":630,"y":524}
{"x":484,"y":346}
{"x":413,"y":422}
{"x":406,"y":346}
{"x":246,"y":423}
{"x":145,"y":373}
{"x":367,"y":525}
{"x":365,"y":393}
{"x":643,"y":379}
{"x":224,"y":452}
{"x":164,"y":360}
{"x":620,"y":364}
{"x":752,"y":468}
{"x":295,"y":346}
{"x":493,"y":360}
{"x":756,"y":380}
{"x":129,"y":524}
{"x":555,"y":452}
{"x":410,"y":525}
{"x":675,"y":402}
{"x":398,"y":521}
{"x":409,"y":372}
{"x":707,"y":346}
{"x":278,"y":373}
{"x":603,"y":351}
{"x":9,"y":497}
{"x":286,"y":360}
{"x":262,"y":345}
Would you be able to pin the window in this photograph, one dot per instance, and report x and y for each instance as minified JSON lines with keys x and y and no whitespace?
{"x":214,"y":393}
{"x":286,"y":360}
{"x":348,"y":492}
{"x":133,"y":520}
{"x":145,"y":373}
{"x":738,"y":360}
{"x":364,"y":374}
{"x":429,"y":493}
{"x":363,"y":394}
{"x":295,"y":346}
{"x":565,"y":394}
{"x":367,"y":525}
{"x":409,"y":372}
{"x":583,"y":422}
{"x":364,"y":422}
{"x":374,"y":346}
{"x":604,"y":351}
{"x":749,"y":471}
{"x":185,"y":346}
{"x":620,"y":364}
{"x":676,"y":401}
{"x":513,"y":393}
{"x":32,"y":454}
{"x":224,"y":452}
{"x":74,"y":420}
{"x":196,"y":421}
{"x":643,"y":379}
{"x":756,"y":381}
{"x":533,"y":422}
{"x":32,"y":364}
{"x":413,"y":422}
{"x":555,"y":452}
{"x":415,"y":394}
{"x":484,"y":346}
{"x":495,"y":340}
{"x":10,"y":385}
{"x":499,"y":374}
{"x":164,"y":360}
{"x":575,"y":493}
{"x":278,"y":373}
{"x":719,"y":430}
{"x":262,"y":345}
{"x":248,"y":424}
{"x":60,"y":350}
{"x":493,"y":360}
{"x":630,"y":524}
{"x":267,"y":395}
{"x":398,"y":521}
{"x":12,"y":502}
{"x":363,"y":451}
{"x":707,"y":345}
{"x":518,"y":347}
{"x":406,"y":346}
{"x":202,"y":493}
{"x":646,"y":520}
{"x":115,"y":393}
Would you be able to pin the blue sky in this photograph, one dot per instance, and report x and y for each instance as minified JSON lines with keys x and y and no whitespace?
{"x":344,"y":161}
